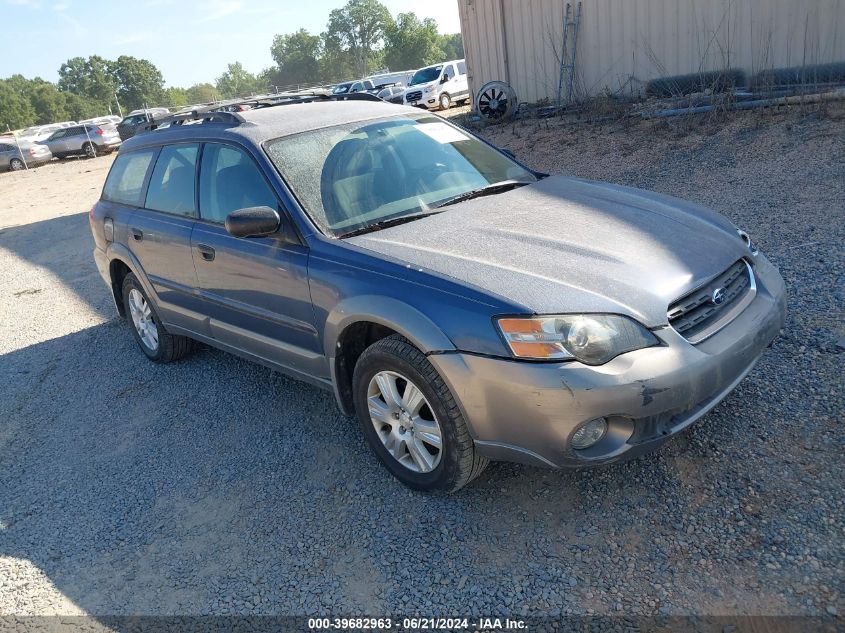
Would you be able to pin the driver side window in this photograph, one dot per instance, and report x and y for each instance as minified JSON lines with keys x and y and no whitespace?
{"x":230,"y":180}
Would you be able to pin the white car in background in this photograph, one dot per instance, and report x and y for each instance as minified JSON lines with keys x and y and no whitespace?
{"x":37,"y":133}
{"x":438,"y":86}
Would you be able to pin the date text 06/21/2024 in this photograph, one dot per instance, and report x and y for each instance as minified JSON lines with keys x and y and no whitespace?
{"x":416,"y":624}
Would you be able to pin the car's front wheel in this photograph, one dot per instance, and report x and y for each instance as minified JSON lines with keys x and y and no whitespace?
{"x":445,"y":101}
{"x":411,"y":419}
{"x":152,"y":338}
{"x":16,"y":164}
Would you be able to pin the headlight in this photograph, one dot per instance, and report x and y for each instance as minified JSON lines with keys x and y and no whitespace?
{"x":428,"y":89}
{"x":747,"y":239}
{"x":593,"y":339}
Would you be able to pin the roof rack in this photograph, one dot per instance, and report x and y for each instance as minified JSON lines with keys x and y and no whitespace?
{"x":199,"y":114}
{"x":212,"y":113}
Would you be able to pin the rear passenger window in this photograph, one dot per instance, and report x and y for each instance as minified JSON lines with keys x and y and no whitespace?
{"x":462,"y":68}
{"x":230,"y":180}
{"x":172,"y":186}
{"x":125,"y":183}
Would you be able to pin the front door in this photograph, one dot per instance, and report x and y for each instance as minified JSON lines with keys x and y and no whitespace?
{"x":159,"y":235}
{"x":256,"y":288}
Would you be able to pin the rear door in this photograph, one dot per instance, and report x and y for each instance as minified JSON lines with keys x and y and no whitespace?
{"x":256,"y":289}
{"x":73,"y":139}
{"x":159,"y":235}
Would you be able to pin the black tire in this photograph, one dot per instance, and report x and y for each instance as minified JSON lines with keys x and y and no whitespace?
{"x":459,"y":463}
{"x":171,"y":347}
{"x":445,"y":101}
{"x":16,"y":164}
{"x":90,"y":150}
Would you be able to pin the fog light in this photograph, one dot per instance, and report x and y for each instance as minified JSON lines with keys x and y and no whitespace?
{"x":588,"y":434}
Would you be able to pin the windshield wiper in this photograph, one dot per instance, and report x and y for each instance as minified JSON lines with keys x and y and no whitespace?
{"x":488,"y":190}
{"x":383,"y":224}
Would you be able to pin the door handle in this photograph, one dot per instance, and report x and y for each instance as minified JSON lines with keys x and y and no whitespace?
{"x":206,"y":251}
{"x":137,"y":234}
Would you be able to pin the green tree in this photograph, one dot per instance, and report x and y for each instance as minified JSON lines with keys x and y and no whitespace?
{"x":202,"y":93}
{"x":336,"y":63}
{"x":49,"y":104}
{"x":452,"y":46}
{"x":78,"y":107}
{"x":93,"y":78}
{"x":238,"y":82}
{"x":15,"y":110}
{"x":297,"y":56}
{"x":359,"y":28}
{"x":411,"y":43}
{"x":140,"y":83}
{"x":176,"y":97}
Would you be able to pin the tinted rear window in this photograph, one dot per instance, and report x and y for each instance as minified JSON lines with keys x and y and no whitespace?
{"x":125,"y":183}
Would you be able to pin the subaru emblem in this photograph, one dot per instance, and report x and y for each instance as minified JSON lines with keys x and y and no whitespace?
{"x":718,"y":297}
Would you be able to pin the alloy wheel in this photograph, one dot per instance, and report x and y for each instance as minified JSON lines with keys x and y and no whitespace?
{"x":142,"y":319}
{"x":405,"y":421}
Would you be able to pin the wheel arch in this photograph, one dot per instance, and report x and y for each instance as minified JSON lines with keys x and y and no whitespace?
{"x":121,"y":263}
{"x":357,"y":323}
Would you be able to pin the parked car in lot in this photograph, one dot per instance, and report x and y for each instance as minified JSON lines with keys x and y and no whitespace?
{"x":362,"y":85}
{"x":87,"y":139}
{"x":439,"y":86}
{"x":393,"y":94}
{"x":130,"y":123}
{"x":38,"y":133}
{"x":462,"y":306}
{"x":20,"y":154}
{"x":111,"y":119}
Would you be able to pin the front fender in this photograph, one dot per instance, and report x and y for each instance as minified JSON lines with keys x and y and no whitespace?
{"x":392,"y":313}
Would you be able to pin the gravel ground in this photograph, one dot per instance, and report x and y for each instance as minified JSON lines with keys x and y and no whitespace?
{"x":215,"y":486}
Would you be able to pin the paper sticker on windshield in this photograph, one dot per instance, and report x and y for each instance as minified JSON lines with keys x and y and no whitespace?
{"x":442,"y":133}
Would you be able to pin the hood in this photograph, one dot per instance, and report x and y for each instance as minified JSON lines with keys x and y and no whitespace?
{"x":565,"y":245}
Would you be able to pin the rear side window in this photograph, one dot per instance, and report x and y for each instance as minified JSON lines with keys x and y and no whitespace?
{"x":230,"y":180}
{"x":462,"y":68}
{"x":125,"y":183}
{"x":172,"y":186}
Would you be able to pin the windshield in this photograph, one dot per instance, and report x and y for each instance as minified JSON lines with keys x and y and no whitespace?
{"x":352,"y":176}
{"x":425,"y":75}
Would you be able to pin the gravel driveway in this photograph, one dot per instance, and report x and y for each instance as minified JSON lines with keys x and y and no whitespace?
{"x":215,"y":486}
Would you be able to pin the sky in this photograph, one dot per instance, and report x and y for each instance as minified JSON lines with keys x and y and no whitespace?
{"x":189,"y":42}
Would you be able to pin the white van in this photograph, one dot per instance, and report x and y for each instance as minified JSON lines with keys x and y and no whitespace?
{"x":438,"y":86}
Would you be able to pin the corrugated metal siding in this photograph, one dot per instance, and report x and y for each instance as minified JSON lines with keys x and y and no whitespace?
{"x":624,"y":43}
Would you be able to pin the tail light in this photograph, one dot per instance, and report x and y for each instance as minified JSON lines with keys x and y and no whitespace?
{"x":99,"y":131}
{"x":33,"y":150}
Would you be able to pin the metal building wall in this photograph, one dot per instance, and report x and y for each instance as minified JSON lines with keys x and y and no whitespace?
{"x":624,"y":43}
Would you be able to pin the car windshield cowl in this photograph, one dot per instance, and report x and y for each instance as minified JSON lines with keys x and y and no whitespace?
{"x":383,"y":224}
{"x":489,"y":190}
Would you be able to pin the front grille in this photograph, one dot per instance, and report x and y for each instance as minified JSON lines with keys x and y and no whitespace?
{"x":414,"y":96}
{"x":700,"y":313}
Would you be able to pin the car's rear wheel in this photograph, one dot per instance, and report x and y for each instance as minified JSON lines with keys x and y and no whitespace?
{"x":445,"y":101}
{"x":411,"y":419}
{"x":149,"y":333}
{"x":90,"y":150}
{"x":16,"y":164}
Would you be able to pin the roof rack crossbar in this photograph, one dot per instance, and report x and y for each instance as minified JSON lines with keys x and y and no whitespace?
{"x":199,"y":114}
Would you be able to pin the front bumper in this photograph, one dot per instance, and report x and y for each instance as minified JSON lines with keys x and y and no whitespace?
{"x":527,"y":412}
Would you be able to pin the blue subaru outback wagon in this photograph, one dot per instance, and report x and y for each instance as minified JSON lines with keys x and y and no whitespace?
{"x":460,"y":305}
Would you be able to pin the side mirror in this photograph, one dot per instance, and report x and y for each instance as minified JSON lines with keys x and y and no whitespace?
{"x":253,"y":222}
{"x":444,"y":78}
